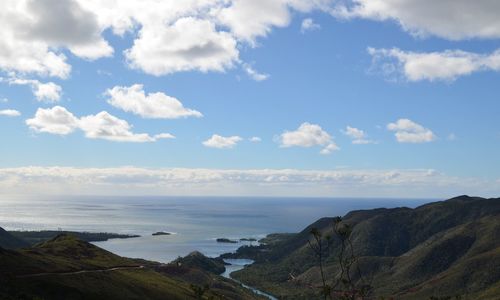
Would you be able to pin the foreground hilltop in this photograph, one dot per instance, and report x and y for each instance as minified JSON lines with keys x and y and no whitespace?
{"x":66,"y":267}
{"x":441,"y":249}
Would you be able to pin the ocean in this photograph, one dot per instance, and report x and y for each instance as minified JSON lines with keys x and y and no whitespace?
{"x":195,"y":222}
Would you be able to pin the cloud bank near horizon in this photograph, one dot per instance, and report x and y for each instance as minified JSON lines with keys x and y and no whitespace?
{"x":409,"y":183}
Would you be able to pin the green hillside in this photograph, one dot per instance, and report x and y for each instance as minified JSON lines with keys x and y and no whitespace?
{"x":440,"y":249}
{"x":68,"y":268}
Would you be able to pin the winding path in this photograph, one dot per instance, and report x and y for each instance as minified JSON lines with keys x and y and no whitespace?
{"x":81,"y":271}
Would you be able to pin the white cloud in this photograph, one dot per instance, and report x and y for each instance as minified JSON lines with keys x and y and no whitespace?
{"x":357,"y":136}
{"x":251,"y":19}
{"x":450,"y":19}
{"x":154,"y":105}
{"x":408,"y":131}
{"x":254,"y":74}
{"x":33,"y":34}
{"x":255,"y":139}
{"x":169,"y":36}
{"x":108,"y":127}
{"x":186,"y":45}
{"x":48,"y":92}
{"x":432,"y":66}
{"x":164,"y":136}
{"x":309,"y":135}
{"x":221,"y":142}
{"x":58,"y":120}
{"x":10,"y":113}
{"x":267,"y":182}
{"x":44,"y":92}
{"x":308,"y":24}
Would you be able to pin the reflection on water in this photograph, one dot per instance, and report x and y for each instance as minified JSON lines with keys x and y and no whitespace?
{"x":238,"y":264}
{"x":198,"y":221}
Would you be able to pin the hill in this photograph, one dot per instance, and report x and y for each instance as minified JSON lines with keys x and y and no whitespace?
{"x":68,"y":268}
{"x":443,"y":249}
{"x":8,"y":241}
{"x":199,"y":261}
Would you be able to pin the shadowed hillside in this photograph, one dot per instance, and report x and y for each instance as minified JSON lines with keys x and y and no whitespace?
{"x":444,"y":248}
{"x":8,"y":241}
{"x":68,"y":268}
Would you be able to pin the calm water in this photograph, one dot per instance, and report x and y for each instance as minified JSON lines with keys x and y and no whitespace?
{"x":195,"y":221}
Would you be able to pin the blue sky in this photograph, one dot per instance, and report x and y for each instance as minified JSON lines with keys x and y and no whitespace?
{"x":419,"y":95}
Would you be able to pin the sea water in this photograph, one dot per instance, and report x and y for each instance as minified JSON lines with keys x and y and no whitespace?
{"x":195,"y":222}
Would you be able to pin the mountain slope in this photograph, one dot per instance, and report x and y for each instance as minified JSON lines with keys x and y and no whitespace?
{"x":443,"y":249}
{"x":8,"y":241}
{"x":68,"y":268}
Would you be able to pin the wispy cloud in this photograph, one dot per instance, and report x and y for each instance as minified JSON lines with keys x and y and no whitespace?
{"x":222,"y":142}
{"x":407,"y":131}
{"x":308,"y":24}
{"x":432,"y":66}
{"x":9,"y":113}
{"x":357,"y":136}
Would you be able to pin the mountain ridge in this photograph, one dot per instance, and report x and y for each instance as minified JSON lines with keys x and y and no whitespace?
{"x":439,"y":248}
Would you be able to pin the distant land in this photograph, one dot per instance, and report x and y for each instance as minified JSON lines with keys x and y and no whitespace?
{"x":439,"y":250}
{"x":34,"y":237}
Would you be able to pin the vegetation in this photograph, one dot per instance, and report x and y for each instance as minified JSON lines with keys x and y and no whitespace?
{"x":443,"y":249}
{"x":348,"y":284}
{"x":199,"y":261}
{"x":161,"y":233}
{"x":68,"y":268}
{"x":225,"y":240}
{"x":35,"y":237}
{"x":248,"y":240}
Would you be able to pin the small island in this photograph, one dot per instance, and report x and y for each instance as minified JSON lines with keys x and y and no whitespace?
{"x":161,"y":233}
{"x":248,"y":240}
{"x":225,"y":240}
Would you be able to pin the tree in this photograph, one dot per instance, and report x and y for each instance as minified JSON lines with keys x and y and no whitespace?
{"x":348,"y":283}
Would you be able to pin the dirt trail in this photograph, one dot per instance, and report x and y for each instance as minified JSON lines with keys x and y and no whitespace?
{"x":81,"y":272}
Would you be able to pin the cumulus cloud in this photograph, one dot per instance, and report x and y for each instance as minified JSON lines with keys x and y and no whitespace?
{"x":408,"y":131}
{"x":450,"y":19}
{"x":66,"y":23}
{"x":309,"y":135}
{"x":58,"y":120}
{"x":250,"y":19}
{"x":34,"y":32}
{"x":44,"y":92}
{"x":254,"y":74}
{"x":10,"y":113}
{"x":221,"y":142}
{"x":168,"y":36}
{"x":357,"y":136}
{"x":186,"y":45}
{"x":278,"y":182}
{"x":108,"y":127}
{"x":153,"y":105}
{"x":447,"y":65}
{"x":308,"y":24}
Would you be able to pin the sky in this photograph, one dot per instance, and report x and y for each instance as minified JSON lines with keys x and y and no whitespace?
{"x":318,"y":98}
